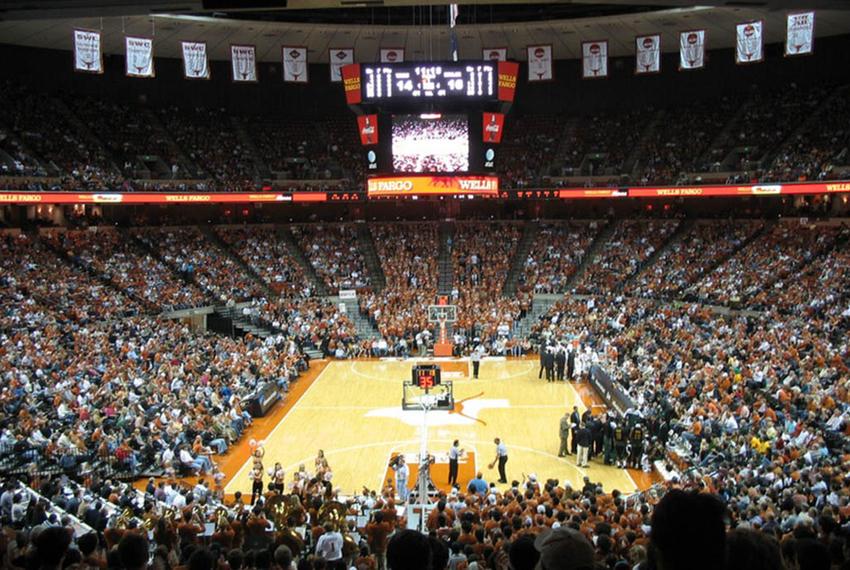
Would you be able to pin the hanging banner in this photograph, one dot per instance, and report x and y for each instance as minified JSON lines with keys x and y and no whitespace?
{"x":494,"y":54}
{"x":594,"y":59}
{"x":800,"y":34}
{"x":508,"y":75}
{"x":195,"y":63}
{"x":243,"y":64}
{"x":88,"y":57}
{"x":692,"y":49}
{"x":295,"y":64}
{"x":648,"y":54}
{"x":493,"y":124}
{"x":392,"y":55}
{"x":139,"y":54}
{"x":339,"y":57}
{"x":367,"y":125}
{"x":540,"y":63}
{"x":351,"y":83}
{"x":749,"y":47}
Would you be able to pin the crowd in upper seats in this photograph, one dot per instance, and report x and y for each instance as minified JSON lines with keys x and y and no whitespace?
{"x":85,"y":142}
{"x":333,"y":253}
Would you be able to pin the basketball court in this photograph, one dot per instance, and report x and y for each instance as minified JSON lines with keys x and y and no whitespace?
{"x":353,"y":411}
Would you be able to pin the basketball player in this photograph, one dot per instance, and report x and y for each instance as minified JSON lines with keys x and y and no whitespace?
{"x":454,"y":454}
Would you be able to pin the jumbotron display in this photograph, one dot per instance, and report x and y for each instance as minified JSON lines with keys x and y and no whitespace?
{"x":430,"y":143}
{"x":461,"y":81}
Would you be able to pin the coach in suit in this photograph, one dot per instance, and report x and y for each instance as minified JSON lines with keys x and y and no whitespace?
{"x":560,"y":362}
{"x":542,"y":361}
{"x":571,"y":363}
{"x":564,"y":432}
{"x":550,"y":364}
{"x":575,"y":420}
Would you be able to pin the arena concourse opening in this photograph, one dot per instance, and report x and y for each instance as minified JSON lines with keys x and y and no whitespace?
{"x":317,"y":286}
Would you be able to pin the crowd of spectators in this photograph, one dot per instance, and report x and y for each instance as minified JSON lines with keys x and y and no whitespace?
{"x":408,"y":255}
{"x":188,"y":252}
{"x":556,"y":255}
{"x":622,"y":255}
{"x":482,"y":253}
{"x":333,"y":253}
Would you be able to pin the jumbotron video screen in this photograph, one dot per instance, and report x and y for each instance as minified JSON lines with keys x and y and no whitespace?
{"x":430,"y":143}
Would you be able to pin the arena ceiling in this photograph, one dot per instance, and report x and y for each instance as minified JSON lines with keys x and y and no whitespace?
{"x":49,"y":25}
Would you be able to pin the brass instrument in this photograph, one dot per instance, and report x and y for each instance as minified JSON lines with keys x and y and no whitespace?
{"x":334,"y":512}
{"x":280,"y":508}
{"x":221,"y":518}
{"x":123,"y":520}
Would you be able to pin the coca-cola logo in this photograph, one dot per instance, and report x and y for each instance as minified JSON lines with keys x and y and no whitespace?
{"x":594,"y":49}
{"x":391,"y":56}
{"x":692,"y":38}
{"x":495,"y":55}
{"x":648,"y":43}
{"x":539,"y":53}
{"x":749,"y":30}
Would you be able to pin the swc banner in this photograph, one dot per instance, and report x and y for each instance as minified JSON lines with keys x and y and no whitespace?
{"x":749,"y":47}
{"x":195,"y":63}
{"x":692,"y":49}
{"x":392,"y":55}
{"x":648,"y":54}
{"x":139,"y":55}
{"x":508,"y":75}
{"x":423,"y":185}
{"x":88,"y":56}
{"x":494,"y":54}
{"x":539,"y":63}
{"x":493,"y":125}
{"x":351,"y":83}
{"x":294,"y":64}
{"x":594,"y":59}
{"x":339,"y":58}
{"x":243,"y":64}
{"x":800,"y":34}
{"x":367,"y":126}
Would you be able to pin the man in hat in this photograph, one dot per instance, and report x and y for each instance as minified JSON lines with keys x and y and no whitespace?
{"x":564,"y":549}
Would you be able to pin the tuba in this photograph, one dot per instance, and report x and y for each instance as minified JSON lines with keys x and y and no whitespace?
{"x":280,"y":508}
{"x":334,"y":512}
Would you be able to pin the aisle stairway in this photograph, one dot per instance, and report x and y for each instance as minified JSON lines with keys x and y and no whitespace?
{"x":601,"y":239}
{"x":225,"y":248}
{"x":540,"y":305}
{"x":362,"y":325}
{"x":316,"y":284}
{"x":241,"y":324}
{"x":444,"y":259}
{"x":529,"y":235}
{"x":366,"y":244}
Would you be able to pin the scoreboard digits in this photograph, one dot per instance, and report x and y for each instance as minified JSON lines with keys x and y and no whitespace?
{"x":460,"y":81}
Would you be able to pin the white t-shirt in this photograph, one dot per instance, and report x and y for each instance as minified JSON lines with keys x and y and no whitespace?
{"x":329,"y":546}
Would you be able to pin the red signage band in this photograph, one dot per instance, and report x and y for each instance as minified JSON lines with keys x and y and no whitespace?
{"x":508,"y":73}
{"x":351,"y":83}
{"x":767,"y":189}
{"x":415,"y":185}
{"x":155,"y":198}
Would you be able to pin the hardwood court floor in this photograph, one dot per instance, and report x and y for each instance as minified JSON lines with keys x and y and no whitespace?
{"x":353,"y":412}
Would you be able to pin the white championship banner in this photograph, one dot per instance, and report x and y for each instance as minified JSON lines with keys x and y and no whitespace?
{"x":749,"y":47}
{"x":339,"y":57}
{"x":88,"y":56}
{"x":692,"y":49}
{"x":800,"y":35}
{"x":648,"y":54}
{"x":295,"y":64}
{"x":594,"y":59}
{"x":539,"y":63}
{"x":494,"y":54}
{"x":391,"y":55}
{"x":243,"y":63}
{"x":139,"y":54}
{"x":195,"y":63}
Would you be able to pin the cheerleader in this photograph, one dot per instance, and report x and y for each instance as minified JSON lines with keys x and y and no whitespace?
{"x":256,"y":483}
{"x":277,"y":475}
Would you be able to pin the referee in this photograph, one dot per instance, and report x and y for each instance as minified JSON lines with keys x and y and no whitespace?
{"x":454,"y":453}
{"x":475,"y":357}
{"x":502,"y":458}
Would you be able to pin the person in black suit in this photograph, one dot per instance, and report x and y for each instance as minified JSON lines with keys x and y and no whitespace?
{"x":560,"y":362}
{"x":571,"y":363}
{"x":550,"y":364}
{"x":542,"y":361}
{"x":575,"y":420}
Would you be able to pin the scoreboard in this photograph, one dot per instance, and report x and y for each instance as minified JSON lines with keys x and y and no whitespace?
{"x":470,"y":81}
